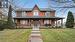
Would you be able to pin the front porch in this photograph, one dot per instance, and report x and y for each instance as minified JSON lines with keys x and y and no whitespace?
{"x":42,"y":22}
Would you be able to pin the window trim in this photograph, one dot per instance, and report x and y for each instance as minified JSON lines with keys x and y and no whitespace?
{"x":47,"y":13}
{"x":35,"y":13}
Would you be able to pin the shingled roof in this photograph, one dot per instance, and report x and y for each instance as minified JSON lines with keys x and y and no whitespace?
{"x":30,"y":9}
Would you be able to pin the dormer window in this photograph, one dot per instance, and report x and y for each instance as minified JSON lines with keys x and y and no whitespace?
{"x":47,"y":14}
{"x":35,"y":13}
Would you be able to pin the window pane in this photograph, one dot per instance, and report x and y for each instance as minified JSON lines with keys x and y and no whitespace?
{"x":23,"y":14}
{"x":22,"y":22}
{"x":35,"y":13}
{"x":47,"y":14}
{"x":5,"y":4}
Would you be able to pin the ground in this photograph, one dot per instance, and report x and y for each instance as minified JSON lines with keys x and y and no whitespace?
{"x":48,"y":35}
{"x":14,"y":35}
{"x":58,"y":35}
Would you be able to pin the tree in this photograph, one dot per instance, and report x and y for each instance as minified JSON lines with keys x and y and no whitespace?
{"x":10,"y":23}
{"x":70,"y":20}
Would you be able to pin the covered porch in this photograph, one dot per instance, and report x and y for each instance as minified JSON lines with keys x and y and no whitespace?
{"x":35,"y":21}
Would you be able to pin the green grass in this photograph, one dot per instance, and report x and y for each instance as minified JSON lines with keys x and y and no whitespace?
{"x":58,"y":35}
{"x":14,"y":35}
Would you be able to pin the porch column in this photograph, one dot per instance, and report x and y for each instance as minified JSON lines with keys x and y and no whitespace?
{"x":50,"y":22}
{"x":62,"y":23}
{"x":41,"y":22}
{"x":56,"y":22}
{"x":53,"y":23}
{"x":29,"y":22}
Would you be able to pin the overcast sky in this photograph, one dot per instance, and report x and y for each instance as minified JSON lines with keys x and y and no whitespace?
{"x":60,"y":12}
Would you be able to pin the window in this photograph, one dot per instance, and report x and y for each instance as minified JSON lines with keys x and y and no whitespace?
{"x":35,"y":13}
{"x":5,"y":4}
{"x":23,"y":22}
{"x":47,"y":14}
{"x":23,"y":14}
{"x":46,"y":22}
{"x":19,"y":14}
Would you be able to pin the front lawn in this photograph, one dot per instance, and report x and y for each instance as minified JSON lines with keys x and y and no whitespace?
{"x":58,"y":35}
{"x":14,"y":35}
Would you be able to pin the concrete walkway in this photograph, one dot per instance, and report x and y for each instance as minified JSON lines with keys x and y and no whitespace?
{"x":35,"y":36}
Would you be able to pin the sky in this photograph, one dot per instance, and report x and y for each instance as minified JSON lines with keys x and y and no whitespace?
{"x":60,"y":12}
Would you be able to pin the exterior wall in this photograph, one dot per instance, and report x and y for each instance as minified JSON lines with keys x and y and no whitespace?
{"x":52,"y":13}
{"x":42,"y":14}
{"x":40,"y":22}
{"x":2,"y":16}
{"x":29,"y":13}
{"x":18,"y":13}
{"x":4,"y":10}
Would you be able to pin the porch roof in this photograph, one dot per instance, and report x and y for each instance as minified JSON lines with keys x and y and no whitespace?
{"x":38,"y":17}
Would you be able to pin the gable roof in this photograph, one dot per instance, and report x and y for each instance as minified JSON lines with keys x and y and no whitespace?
{"x":30,"y":9}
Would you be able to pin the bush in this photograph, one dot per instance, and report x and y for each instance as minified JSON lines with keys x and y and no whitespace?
{"x":10,"y":25}
{"x":5,"y":25}
{"x":2,"y":24}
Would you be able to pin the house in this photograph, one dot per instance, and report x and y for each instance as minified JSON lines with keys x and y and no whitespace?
{"x":28,"y":17}
{"x":3,"y":17}
{"x":4,"y":8}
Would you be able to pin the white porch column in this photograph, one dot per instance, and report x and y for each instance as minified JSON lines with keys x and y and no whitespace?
{"x":62,"y":23}
{"x":56,"y":23}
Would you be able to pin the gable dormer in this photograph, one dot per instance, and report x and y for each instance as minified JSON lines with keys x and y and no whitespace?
{"x":35,"y":7}
{"x":35,"y":11}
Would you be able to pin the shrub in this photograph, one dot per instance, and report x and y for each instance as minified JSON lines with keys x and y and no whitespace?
{"x":2,"y":24}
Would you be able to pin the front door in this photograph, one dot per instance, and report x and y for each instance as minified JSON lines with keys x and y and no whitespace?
{"x":36,"y":24}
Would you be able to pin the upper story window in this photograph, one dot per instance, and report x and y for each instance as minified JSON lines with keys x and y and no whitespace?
{"x":35,"y":13}
{"x":23,"y":14}
{"x":18,"y":14}
{"x":47,"y":14}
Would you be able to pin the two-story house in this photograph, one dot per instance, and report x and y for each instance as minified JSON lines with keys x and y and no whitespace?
{"x":4,"y":8}
{"x":28,"y":17}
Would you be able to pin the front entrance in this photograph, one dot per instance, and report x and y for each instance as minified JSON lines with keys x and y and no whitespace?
{"x":35,"y":24}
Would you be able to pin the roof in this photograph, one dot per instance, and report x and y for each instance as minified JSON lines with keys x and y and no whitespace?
{"x":35,"y":17}
{"x":30,"y":9}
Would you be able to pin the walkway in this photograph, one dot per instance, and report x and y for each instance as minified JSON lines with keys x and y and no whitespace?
{"x":35,"y":36}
